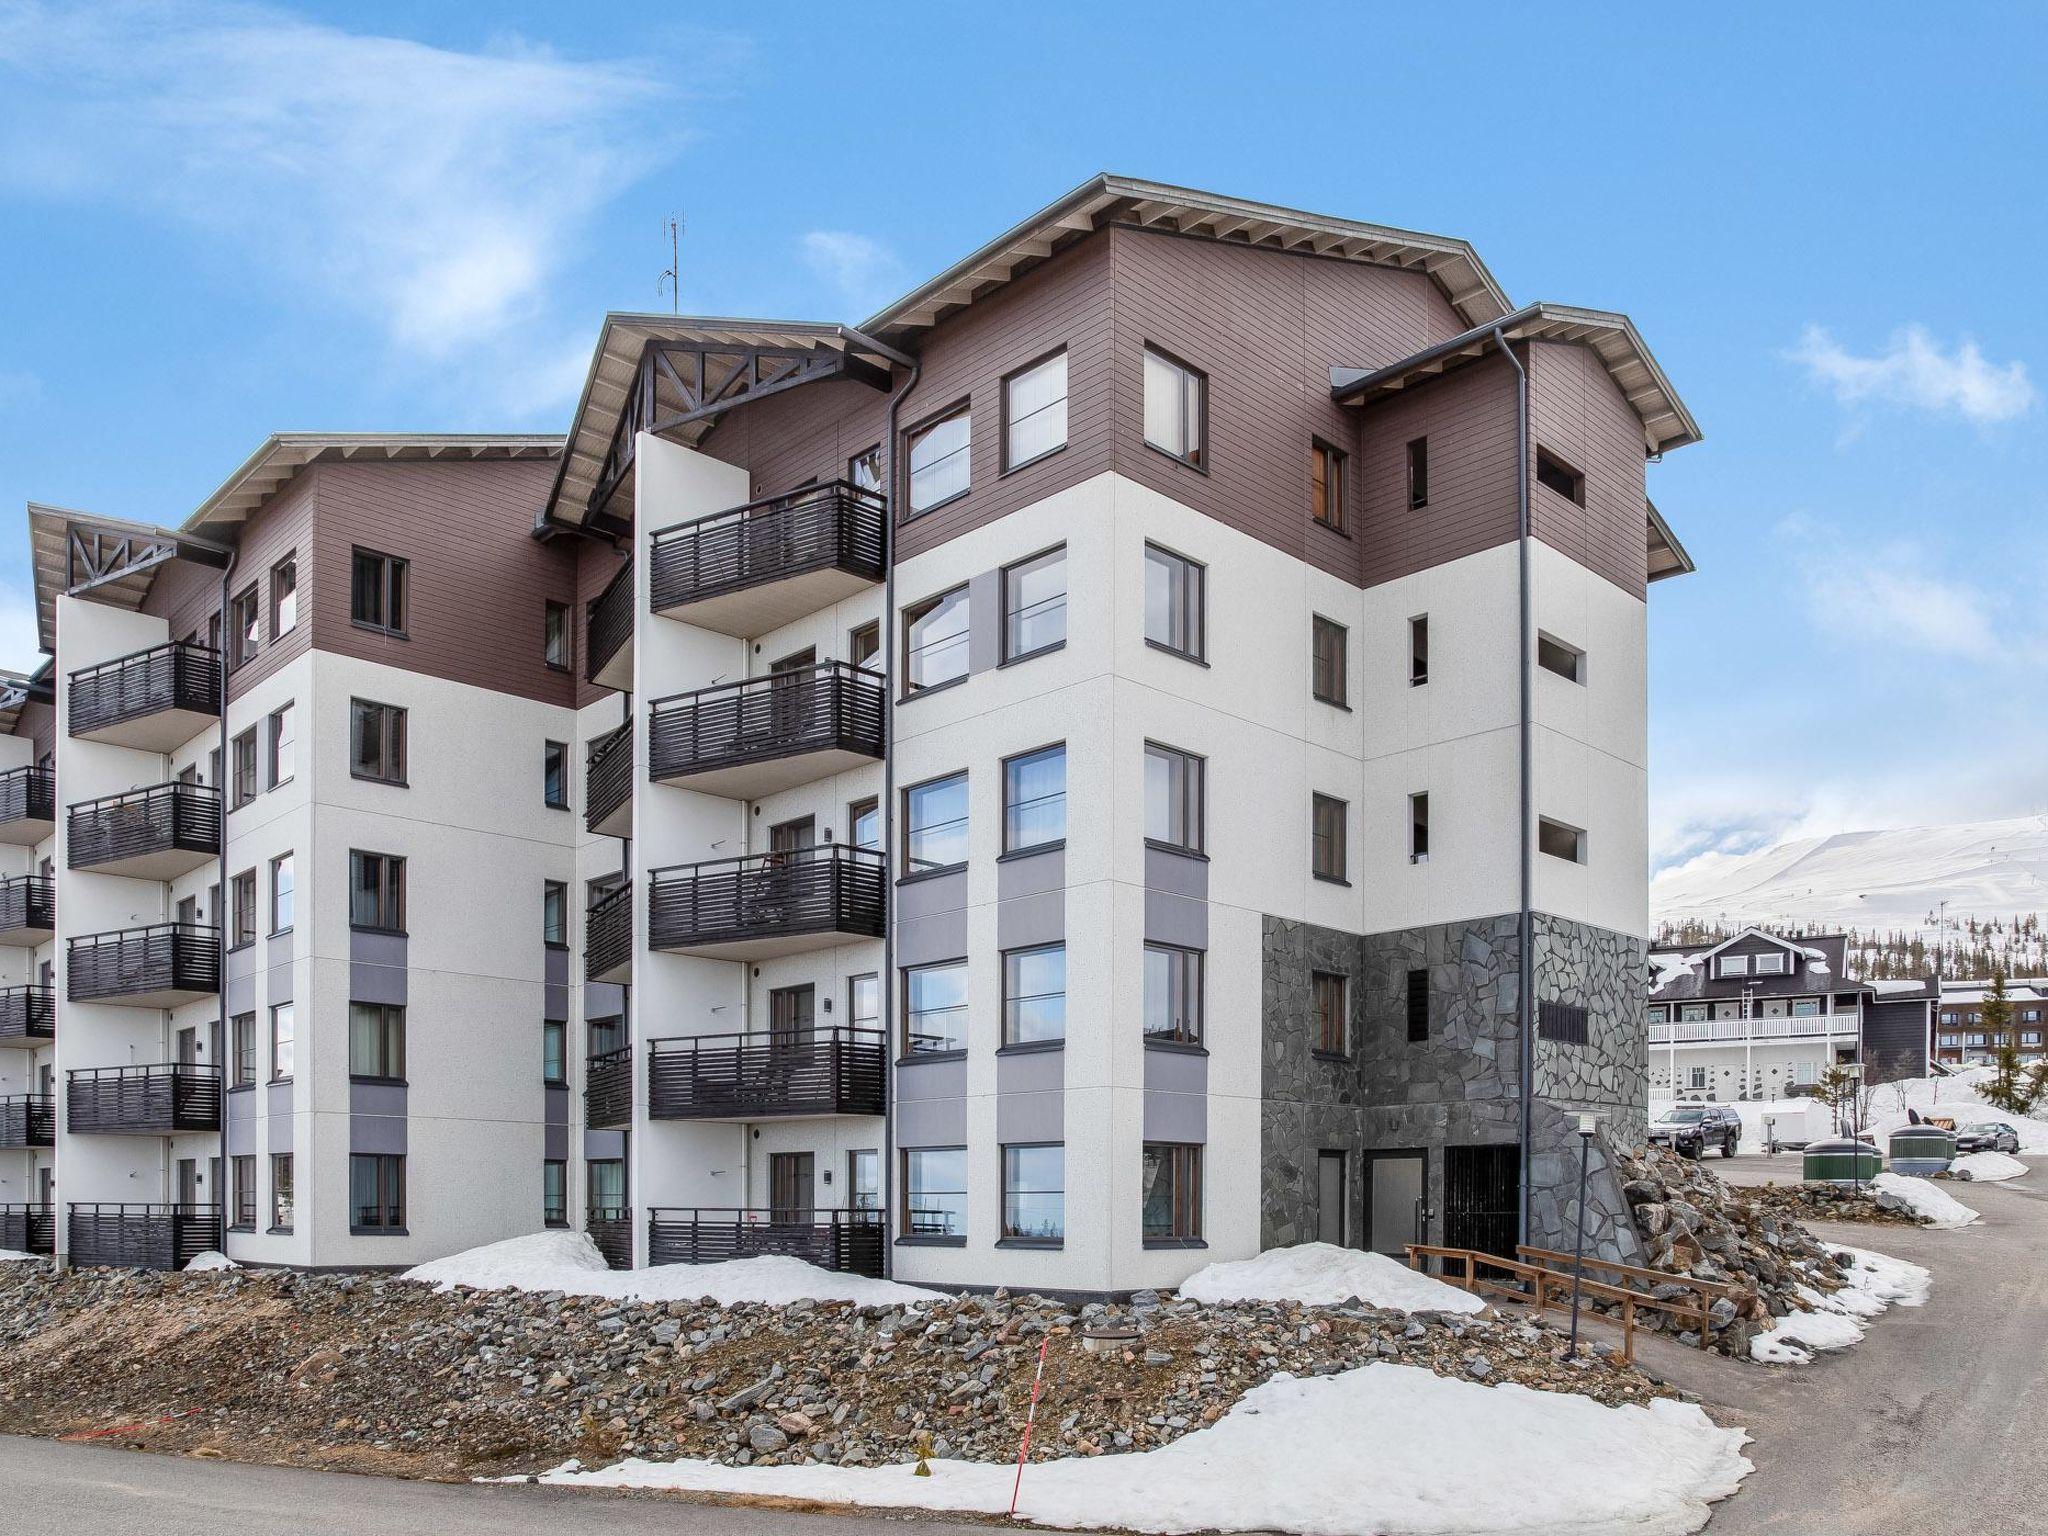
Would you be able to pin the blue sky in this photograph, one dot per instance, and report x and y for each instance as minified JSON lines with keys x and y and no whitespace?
{"x":220,"y":221}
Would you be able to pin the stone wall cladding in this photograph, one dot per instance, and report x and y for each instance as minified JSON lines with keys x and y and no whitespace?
{"x":1608,"y":973}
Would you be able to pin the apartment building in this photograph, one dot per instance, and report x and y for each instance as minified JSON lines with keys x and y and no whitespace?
{"x":1962,"y":1038}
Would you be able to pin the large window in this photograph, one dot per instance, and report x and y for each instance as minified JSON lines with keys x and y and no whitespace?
{"x":1035,"y":605}
{"x":554,"y":1192}
{"x":284,"y":745}
{"x":554,"y":913}
{"x":245,"y":612}
{"x":376,"y":1192}
{"x":1035,"y":995}
{"x":1170,"y":1181}
{"x":376,"y":1041}
{"x":935,"y":641}
{"x":1173,"y":995}
{"x":244,"y":788}
{"x":376,"y":741}
{"x":935,"y":1008}
{"x":554,"y":775}
{"x":1329,"y":678}
{"x":377,"y":591}
{"x":1326,"y":484}
{"x":1327,"y":996}
{"x":1035,"y":1194}
{"x":1176,"y":409}
{"x":1173,"y":798}
{"x":282,"y":1045}
{"x":242,"y":1050}
{"x":283,"y":894}
{"x":242,"y":899}
{"x":554,"y":635}
{"x":935,"y":1192}
{"x":1035,"y":799}
{"x":281,"y":1201}
{"x":1035,"y":411}
{"x":939,"y":460}
{"x":376,"y":884}
{"x":1327,"y":818}
{"x":284,"y":596}
{"x":1174,"y":619}
{"x":935,"y":824}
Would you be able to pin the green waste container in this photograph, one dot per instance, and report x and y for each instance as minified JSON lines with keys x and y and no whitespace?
{"x":1843,"y":1161}
{"x":1922,"y":1150}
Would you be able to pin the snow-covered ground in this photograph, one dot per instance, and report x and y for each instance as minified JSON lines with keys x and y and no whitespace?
{"x":1930,"y":1202}
{"x":1364,"y":1450}
{"x":1324,"y":1275}
{"x":1988,"y":1167}
{"x":212,"y":1258}
{"x":569,"y":1262}
{"x":10,"y":1253}
{"x":1876,"y":1282}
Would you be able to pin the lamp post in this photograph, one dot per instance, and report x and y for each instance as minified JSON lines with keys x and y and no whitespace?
{"x":1853,"y":1070}
{"x":1588,"y":1123}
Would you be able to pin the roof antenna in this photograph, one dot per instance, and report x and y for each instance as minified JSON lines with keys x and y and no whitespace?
{"x":673,"y":277}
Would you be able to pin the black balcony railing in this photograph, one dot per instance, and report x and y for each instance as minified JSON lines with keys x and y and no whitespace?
{"x":836,"y":1071}
{"x":28,"y":1228}
{"x":831,"y":706}
{"x":28,"y":1120}
{"x":611,"y":1228}
{"x":608,"y":936}
{"x":836,"y":526}
{"x":165,"y":819}
{"x":27,"y":794}
{"x":142,"y":1101}
{"x":847,"y":1241}
{"x":830,"y":889}
{"x":607,"y":777}
{"x":142,"y":1236}
{"x":608,"y":623}
{"x":28,"y":903}
{"x":608,"y":1089}
{"x":163,"y":958}
{"x":28,"y":1017}
{"x":177,"y":675}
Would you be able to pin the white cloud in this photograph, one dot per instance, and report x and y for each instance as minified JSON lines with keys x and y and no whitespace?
{"x":1889,"y":596}
{"x":1914,"y":373}
{"x":20,"y":651}
{"x":866,"y":273}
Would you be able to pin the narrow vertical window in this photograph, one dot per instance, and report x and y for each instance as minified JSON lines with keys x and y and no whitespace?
{"x":242,"y":1050}
{"x":244,"y":614}
{"x":1035,"y":605}
{"x":1326,"y":485}
{"x":1418,"y":1006}
{"x":939,"y":460}
{"x":1173,"y":995}
{"x":1174,"y":603}
{"x":554,"y":1051}
{"x":1035,"y":799}
{"x":284,"y":596}
{"x":1327,"y":997}
{"x":1173,"y":798}
{"x":244,"y":788}
{"x":1327,"y":816}
{"x":1176,"y":409}
{"x":1418,"y":473}
{"x":1329,"y":680}
{"x":378,"y":591}
{"x":554,"y":775}
{"x":1418,"y":828}
{"x":554,"y":1192}
{"x":281,"y":1041}
{"x":284,"y":746}
{"x":554,"y":913}
{"x":281,"y":1201}
{"x":242,"y":893}
{"x":283,"y":894}
{"x":1035,"y":411}
{"x":864,"y":645}
{"x":864,"y":470}
{"x":1418,"y":650}
{"x":554,"y":641}
{"x":245,"y":1193}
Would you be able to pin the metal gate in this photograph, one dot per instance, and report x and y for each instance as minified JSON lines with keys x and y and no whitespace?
{"x":1482,"y":1198}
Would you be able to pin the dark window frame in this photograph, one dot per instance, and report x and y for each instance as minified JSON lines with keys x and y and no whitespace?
{"x":1006,"y":1236}
{"x":1006,"y":613}
{"x":906,"y":1228}
{"x":1192,"y":769}
{"x":557,"y":798}
{"x":556,"y":628}
{"x":392,"y":742}
{"x":288,"y":1039}
{"x":1329,"y":853}
{"x":390,"y":1034}
{"x":1329,"y":669}
{"x":1015,"y":759}
{"x":554,"y":1192}
{"x":1012,"y":997}
{"x":1189,"y":976}
{"x":284,"y":582}
{"x":242,"y":909}
{"x":276,"y":927}
{"x":913,"y":435}
{"x":1418,"y":827}
{"x":387,"y":1207}
{"x":873,"y":480}
{"x":554,"y":1052}
{"x":1418,"y":650}
{"x":1329,"y":472}
{"x":283,"y":1192}
{"x":1577,"y":835}
{"x":1332,"y":1027}
{"x":965,"y":1007}
{"x":246,"y":785}
{"x":913,"y":615}
{"x":1009,"y":464}
{"x":1191,"y":592}
{"x":1415,"y":1000}
{"x":392,"y":575}
{"x":1417,"y":458}
{"x":1198,"y":458}
{"x":1185,"y":1219}
{"x":242,"y":1178}
{"x":1560,"y":477}
{"x":390,"y":893}
{"x":911,"y":829}
{"x":245,"y":626}
{"x":273,"y":737}
{"x":242,"y":1050}
{"x":554,"y":913}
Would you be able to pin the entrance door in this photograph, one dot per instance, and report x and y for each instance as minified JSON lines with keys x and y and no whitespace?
{"x":1482,"y":1198}
{"x":1395,"y":1202}
{"x":1330,"y":1194}
{"x":187,"y":1041}
{"x":789,"y":1187}
{"x":793,"y":836}
{"x":188,"y":1182}
{"x":864,"y":1183}
{"x":791,"y":1011}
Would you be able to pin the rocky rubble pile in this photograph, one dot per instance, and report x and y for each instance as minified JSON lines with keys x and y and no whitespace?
{"x":1823,"y":1201}
{"x":387,"y":1375}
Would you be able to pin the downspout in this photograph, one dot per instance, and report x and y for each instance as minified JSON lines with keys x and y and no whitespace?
{"x":223,"y":1047}
{"x":887,"y":1180}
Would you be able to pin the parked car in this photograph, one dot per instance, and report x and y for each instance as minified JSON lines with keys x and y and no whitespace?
{"x":1690,"y":1129}
{"x":1987,"y":1136}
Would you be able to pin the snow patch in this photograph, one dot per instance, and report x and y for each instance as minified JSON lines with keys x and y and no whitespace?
{"x":1324,"y":1275}
{"x":569,"y":1262}
{"x":7,"y":1254}
{"x":212,"y":1258}
{"x":1292,"y":1456}
{"x":1987,"y":1167}
{"x":1667,"y":968}
{"x":1875,"y":1281}
{"x":1932,"y":1204}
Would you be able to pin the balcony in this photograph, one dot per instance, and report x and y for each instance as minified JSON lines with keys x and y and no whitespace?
{"x":153,"y":700}
{"x":752,"y":739}
{"x":28,"y":1018}
{"x":157,"y":833}
{"x":608,"y":633}
{"x":608,"y":784}
{"x":28,"y":909}
{"x":27,"y":1120}
{"x":782,"y":1075}
{"x":768,"y":904}
{"x":608,"y":937}
{"x":142,"y":1101}
{"x":608,"y":1089}
{"x":766,"y":564}
{"x":143,"y":1236}
{"x":1814,"y":1026}
{"x":611,"y":1228}
{"x":28,"y":1228}
{"x":158,"y":966}
{"x":849,"y":1242}
{"x":28,"y":805}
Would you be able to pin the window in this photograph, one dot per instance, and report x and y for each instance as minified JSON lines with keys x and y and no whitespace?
{"x":554,"y":636}
{"x":283,"y":894}
{"x":1034,"y":1194}
{"x":864,"y":1183}
{"x":1566,"y":1023}
{"x":1171,"y":1193}
{"x":864,"y":1001}
{"x":864,"y":645}
{"x":1173,"y":995}
{"x":377,"y":592}
{"x":939,"y":460}
{"x":864,"y":470}
{"x":864,"y":823}
{"x":1035,"y":605}
{"x":1560,"y":477}
{"x":1327,"y":994}
{"x":1732,"y":965}
{"x":1418,"y":650}
{"x":604,"y":1182}
{"x":935,"y":1008}
{"x":935,"y":825}
{"x":244,"y":614}
{"x":1567,"y":661}
{"x":554,"y":775}
{"x":1175,"y":619}
{"x":1560,"y":841}
{"x":242,"y":1044}
{"x":1326,"y":484}
{"x":281,"y":1192}
{"x":1035,"y":799}
{"x":1328,"y":680}
{"x":376,"y":1041}
{"x":1035,"y":995}
{"x":376,"y":1188}
{"x":244,"y":788}
{"x":242,"y":896}
{"x":604,"y":1036}
{"x":792,"y":1015}
{"x":284,"y":746}
{"x":1418,"y":474}
{"x":245,"y":1193}
{"x":554,"y":1051}
{"x":935,"y":1193}
{"x":935,"y":641}
{"x":1176,"y":409}
{"x":281,"y":1047}
{"x":376,"y":741}
{"x":1418,"y":1006}
{"x":1173,"y":798}
{"x":554,"y":913}
{"x":1696,"y":1078}
{"x":284,"y":596}
{"x":554,"y":1192}
{"x":1418,"y":829}
{"x":1035,"y":411}
{"x":1772,"y":964}
{"x":376,"y":891}
{"x":1327,"y":837}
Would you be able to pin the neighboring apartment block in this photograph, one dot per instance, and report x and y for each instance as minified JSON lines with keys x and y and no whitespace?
{"x":1134,"y":754}
{"x":1961,"y":1037}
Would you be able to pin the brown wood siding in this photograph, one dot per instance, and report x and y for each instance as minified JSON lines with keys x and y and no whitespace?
{"x":38,"y":722}
{"x":596,"y":564}
{"x":1576,"y":412}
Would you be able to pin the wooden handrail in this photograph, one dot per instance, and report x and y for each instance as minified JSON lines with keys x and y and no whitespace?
{"x":1539,"y":1285}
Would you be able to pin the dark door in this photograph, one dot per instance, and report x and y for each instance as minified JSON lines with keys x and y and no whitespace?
{"x":188,"y":1182}
{"x":187,"y":1041}
{"x":789,"y":1187}
{"x":791,"y":1011}
{"x":789,"y":693}
{"x":1396,"y":1199}
{"x":1330,"y":1198}
{"x":1482,"y":1198}
{"x":793,"y":836}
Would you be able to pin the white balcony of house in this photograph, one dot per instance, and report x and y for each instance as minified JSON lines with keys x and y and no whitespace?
{"x":1813,"y":1026}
